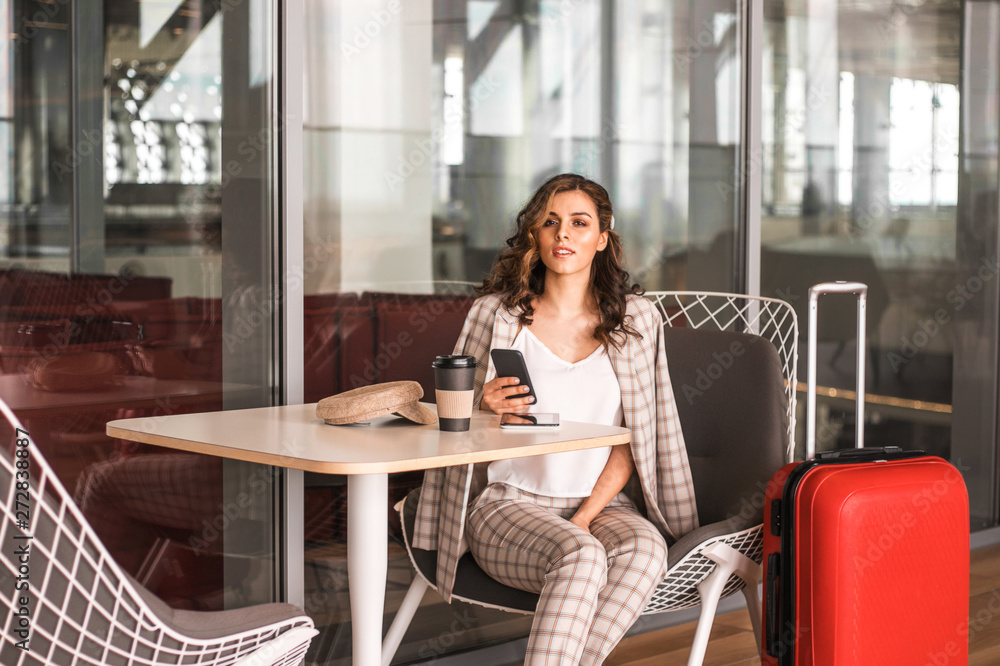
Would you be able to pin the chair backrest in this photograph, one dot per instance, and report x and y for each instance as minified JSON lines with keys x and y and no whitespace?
{"x":730,"y":399}
{"x":732,"y":362}
{"x":60,"y":586}
{"x":770,"y":318}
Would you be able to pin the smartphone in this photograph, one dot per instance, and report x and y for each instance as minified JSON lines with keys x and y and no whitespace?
{"x":510,"y":363}
{"x":529,"y":421}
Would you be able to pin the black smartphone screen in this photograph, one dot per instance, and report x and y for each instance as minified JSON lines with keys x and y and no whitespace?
{"x":510,"y":363}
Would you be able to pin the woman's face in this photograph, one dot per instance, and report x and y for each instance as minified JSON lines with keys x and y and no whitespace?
{"x":571,"y":235}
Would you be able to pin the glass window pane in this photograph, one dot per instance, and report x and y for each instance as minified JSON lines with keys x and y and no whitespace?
{"x":426,"y":130}
{"x":897,"y":190}
{"x":135,"y":271}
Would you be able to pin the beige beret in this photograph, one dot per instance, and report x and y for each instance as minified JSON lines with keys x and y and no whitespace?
{"x":369,"y":402}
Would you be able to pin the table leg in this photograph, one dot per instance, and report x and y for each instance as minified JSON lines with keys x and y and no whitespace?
{"x":367,"y":555}
{"x":295,"y":538}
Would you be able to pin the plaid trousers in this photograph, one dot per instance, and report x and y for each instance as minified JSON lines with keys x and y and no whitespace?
{"x":592,"y":585}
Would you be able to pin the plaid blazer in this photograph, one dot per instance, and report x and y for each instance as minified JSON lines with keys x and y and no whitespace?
{"x":662,"y":483}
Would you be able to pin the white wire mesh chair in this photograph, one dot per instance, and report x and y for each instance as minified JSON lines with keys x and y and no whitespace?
{"x":736,"y":403}
{"x":68,"y":602}
{"x":724,"y":555}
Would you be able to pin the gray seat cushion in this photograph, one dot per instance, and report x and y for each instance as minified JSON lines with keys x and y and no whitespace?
{"x":692,"y":539}
{"x":207,"y":625}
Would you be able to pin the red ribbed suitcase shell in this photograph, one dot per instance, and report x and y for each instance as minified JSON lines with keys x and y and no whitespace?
{"x":866,"y":563}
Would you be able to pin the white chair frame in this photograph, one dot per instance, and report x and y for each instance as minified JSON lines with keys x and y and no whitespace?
{"x":82,"y":608}
{"x":722,"y":565}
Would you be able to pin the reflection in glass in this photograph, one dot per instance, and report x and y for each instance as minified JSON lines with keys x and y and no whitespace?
{"x":880,"y":154}
{"x":111,"y":274}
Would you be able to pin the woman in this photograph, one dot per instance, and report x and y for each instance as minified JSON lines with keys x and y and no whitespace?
{"x":560,"y":525}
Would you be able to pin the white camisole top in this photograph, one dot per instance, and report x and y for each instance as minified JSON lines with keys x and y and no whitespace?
{"x":584,"y":391}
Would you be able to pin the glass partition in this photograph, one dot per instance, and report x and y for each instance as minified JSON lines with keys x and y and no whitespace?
{"x":880,"y":165}
{"x":136,"y":175}
{"x":427,"y":125}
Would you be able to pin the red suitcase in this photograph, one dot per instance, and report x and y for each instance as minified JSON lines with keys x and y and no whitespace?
{"x":866,"y":551}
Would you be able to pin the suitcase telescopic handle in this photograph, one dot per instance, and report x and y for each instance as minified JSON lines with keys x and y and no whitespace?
{"x":839,"y":287}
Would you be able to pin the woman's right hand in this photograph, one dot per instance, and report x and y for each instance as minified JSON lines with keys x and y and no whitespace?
{"x":495,"y":394}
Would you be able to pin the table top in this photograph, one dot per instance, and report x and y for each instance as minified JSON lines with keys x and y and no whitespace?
{"x":292,"y":436}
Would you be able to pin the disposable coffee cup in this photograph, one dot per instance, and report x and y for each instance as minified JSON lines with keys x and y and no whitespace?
{"x":454,"y":382}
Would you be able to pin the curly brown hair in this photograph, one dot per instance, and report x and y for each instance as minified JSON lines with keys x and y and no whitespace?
{"x":518,"y":275}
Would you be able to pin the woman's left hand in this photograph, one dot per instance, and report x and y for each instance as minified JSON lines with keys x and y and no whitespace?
{"x":580,"y":521}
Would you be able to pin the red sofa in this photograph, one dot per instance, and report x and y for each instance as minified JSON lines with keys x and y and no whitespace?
{"x":377,"y":337}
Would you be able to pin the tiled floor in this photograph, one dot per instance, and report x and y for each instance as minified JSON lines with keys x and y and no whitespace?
{"x":733,"y":644}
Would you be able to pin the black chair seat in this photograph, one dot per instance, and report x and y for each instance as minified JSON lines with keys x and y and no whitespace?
{"x":471,"y":582}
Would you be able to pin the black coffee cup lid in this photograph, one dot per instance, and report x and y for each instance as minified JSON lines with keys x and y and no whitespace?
{"x":454,"y":361}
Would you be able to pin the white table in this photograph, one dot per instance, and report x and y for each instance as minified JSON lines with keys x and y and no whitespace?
{"x":294,"y":438}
